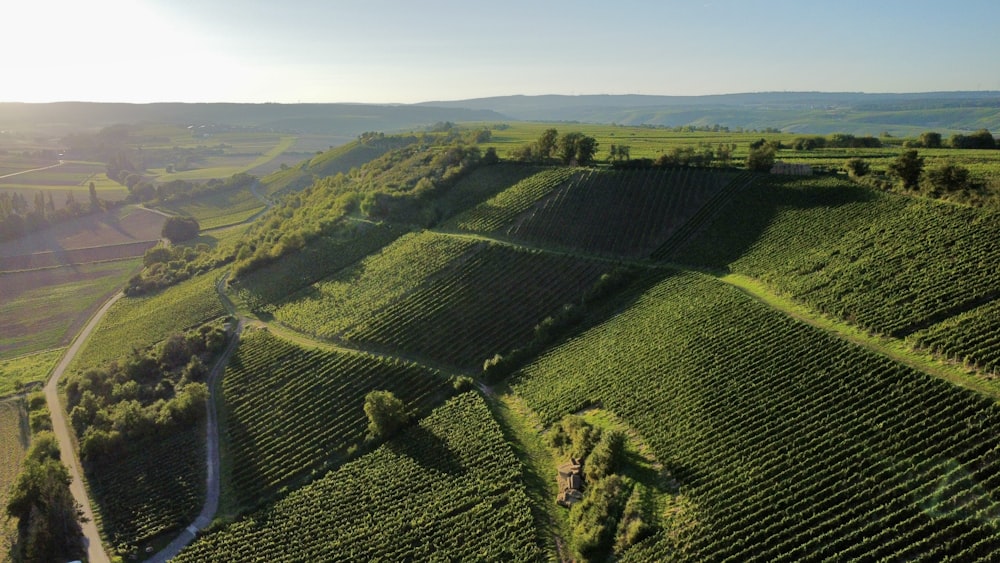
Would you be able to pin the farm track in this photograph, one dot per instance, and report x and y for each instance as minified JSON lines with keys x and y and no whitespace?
{"x":60,"y":163}
{"x":92,"y":538}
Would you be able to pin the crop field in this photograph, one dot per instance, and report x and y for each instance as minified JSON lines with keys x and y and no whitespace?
{"x":218,"y":209}
{"x":145,"y":494}
{"x":292,"y":410}
{"x":43,"y":309}
{"x":619,"y":213}
{"x":790,"y":442}
{"x":14,"y":440}
{"x":449,"y":488}
{"x":888,"y":263}
{"x":427,"y":292}
{"x":332,"y":305}
{"x":138,"y":322}
{"x":30,"y":368}
{"x":122,"y":226}
{"x":260,"y":289}
{"x":76,"y":256}
{"x":435,"y":320}
{"x":246,"y":152}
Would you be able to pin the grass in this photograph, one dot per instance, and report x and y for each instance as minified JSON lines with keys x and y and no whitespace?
{"x":226,"y":169}
{"x":14,"y":440}
{"x":218,"y":209}
{"x":43,"y":309}
{"x":30,"y":368}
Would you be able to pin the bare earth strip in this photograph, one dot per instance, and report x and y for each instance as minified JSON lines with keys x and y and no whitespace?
{"x":95,"y":550}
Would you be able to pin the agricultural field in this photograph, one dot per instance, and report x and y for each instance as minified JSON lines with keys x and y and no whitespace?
{"x":44,"y":309}
{"x":123,"y":226}
{"x":60,"y":178}
{"x":612,"y":213}
{"x":259,"y":290}
{"x":891,"y":264}
{"x":292,"y":409}
{"x":139,"y":322}
{"x":218,"y":209}
{"x":789,"y":442}
{"x":143,"y":498}
{"x":241,"y":152}
{"x":426,"y":292}
{"x":14,"y":440}
{"x":27,"y":369}
{"x":448,"y":488}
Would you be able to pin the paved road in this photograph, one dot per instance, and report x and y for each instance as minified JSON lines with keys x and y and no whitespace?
{"x":95,"y":550}
{"x":60,"y":163}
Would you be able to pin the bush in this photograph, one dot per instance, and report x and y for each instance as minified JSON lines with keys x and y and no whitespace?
{"x":386,"y":413}
{"x":179,"y":229}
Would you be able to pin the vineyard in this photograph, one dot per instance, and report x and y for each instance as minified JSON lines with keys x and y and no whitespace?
{"x":154,"y":492}
{"x":218,"y":209}
{"x":260,"y":289}
{"x":435,"y":320}
{"x":790,"y":442}
{"x":499,"y":210}
{"x":138,"y":322}
{"x":891,"y":264}
{"x":29,"y":368}
{"x":625,"y":213}
{"x":292,"y":410}
{"x":972,"y":338}
{"x":448,"y":489}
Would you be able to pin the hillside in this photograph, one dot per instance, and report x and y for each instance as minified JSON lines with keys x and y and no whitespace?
{"x":730,"y":327}
{"x":795,"y":112}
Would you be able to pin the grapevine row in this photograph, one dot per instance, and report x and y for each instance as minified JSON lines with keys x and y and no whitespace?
{"x":783,"y":436}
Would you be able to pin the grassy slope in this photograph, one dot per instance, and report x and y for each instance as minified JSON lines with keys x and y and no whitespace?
{"x":138,"y":322}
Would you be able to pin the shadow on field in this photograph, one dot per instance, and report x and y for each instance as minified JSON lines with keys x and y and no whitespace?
{"x":428,"y":450}
{"x":745,"y":217}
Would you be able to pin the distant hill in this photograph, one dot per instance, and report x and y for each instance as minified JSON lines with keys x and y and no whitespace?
{"x":804,"y":112}
{"x":321,"y":119}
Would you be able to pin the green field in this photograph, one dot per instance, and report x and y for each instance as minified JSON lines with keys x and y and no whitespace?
{"x":276,"y":435}
{"x":790,"y":442}
{"x":30,"y":368}
{"x":218,"y":209}
{"x":43,"y":309}
{"x":245,"y":153}
{"x":139,"y":322}
{"x":446,"y":489}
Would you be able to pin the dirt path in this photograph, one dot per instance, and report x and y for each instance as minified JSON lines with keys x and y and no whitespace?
{"x":60,"y":163}
{"x":212,"y":460}
{"x":92,"y":538}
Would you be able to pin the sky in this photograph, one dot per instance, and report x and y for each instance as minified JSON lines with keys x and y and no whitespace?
{"x":407,"y":51}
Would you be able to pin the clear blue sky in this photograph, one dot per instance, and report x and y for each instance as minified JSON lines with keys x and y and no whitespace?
{"x":418,"y":50}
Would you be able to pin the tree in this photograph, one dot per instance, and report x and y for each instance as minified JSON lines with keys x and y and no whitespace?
{"x":577,"y":147}
{"x":386,"y":413}
{"x":547,"y":143}
{"x":908,"y":167}
{"x":761,"y":158}
{"x":930,"y":140}
{"x":948,"y":178}
{"x":857,"y":167}
{"x":178,"y":229}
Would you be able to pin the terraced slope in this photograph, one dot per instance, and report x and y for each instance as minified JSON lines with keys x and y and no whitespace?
{"x":791,"y":443}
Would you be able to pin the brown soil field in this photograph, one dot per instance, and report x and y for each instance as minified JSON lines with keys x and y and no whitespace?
{"x":75,"y":256}
{"x":129,"y":225}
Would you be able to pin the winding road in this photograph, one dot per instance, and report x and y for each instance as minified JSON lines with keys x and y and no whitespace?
{"x":60,"y":427}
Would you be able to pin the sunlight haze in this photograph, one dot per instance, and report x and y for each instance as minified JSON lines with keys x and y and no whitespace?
{"x":400,"y":52}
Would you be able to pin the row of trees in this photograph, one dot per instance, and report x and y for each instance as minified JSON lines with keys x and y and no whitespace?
{"x":981,"y":139}
{"x":573,"y":148}
{"x":19,"y":218}
{"x":945,"y":180}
